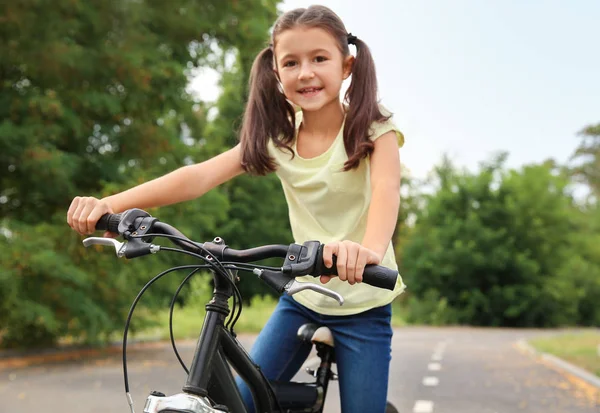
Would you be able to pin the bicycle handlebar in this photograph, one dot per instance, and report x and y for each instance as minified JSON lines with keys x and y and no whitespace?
{"x":109,"y":222}
{"x":306,"y":259}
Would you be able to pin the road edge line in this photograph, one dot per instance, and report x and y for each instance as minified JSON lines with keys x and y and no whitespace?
{"x":560,"y":363}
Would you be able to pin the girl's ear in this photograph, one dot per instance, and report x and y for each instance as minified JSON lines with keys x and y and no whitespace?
{"x":347,"y":67}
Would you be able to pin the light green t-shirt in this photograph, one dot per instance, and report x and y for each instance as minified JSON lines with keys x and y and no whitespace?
{"x":327,"y":204}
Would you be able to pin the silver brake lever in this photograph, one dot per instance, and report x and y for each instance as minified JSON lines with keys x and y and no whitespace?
{"x":294,"y":287}
{"x":119,"y":246}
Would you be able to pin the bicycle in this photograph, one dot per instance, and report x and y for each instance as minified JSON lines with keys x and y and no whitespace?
{"x":210,"y":386}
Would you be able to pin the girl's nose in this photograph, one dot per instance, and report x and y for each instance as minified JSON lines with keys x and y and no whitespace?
{"x":306,"y":72}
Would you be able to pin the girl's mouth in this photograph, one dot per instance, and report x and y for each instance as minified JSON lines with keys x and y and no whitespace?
{"x":310,"y":91}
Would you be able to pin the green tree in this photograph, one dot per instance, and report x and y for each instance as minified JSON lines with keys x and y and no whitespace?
{"x":497,"y":248}
{"x":93,"y":100}
{"x":410,"y":199}
{"x":585,"y":265}
{"x":587,"y":158}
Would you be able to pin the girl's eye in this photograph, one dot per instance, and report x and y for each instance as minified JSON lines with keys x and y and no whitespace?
{"x":289,"y":63}
{"x":320,"y":59}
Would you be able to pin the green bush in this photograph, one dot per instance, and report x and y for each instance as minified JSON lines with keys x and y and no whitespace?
{"x":494,"y":248}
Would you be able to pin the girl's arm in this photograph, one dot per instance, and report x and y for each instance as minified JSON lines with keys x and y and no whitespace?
{"x":385,"y":194}
{"x":382,"y":216}
{"x":183,"y":184}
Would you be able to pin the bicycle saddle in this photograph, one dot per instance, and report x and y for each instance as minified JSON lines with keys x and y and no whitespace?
{"x":314,"y":333}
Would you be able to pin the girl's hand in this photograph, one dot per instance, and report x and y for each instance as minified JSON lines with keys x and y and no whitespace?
{"x":351,"y":260}
{"x":84,"y":212}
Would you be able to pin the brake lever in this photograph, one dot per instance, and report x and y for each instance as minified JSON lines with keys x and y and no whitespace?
{"x":120,"y":247}
{"x":294,"y":287}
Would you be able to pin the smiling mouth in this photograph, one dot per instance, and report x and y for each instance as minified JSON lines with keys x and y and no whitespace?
{"x":309,"y":91}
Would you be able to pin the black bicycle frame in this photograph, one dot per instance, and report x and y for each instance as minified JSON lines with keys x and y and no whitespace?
{"x":210,"y":374}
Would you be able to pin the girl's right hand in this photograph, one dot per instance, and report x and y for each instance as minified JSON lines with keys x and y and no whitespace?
{"x":84,"y":212}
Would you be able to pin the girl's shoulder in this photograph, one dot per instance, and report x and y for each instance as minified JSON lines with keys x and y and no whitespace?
{"x":380,"y":128}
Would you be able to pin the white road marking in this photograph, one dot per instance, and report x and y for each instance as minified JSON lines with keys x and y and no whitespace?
{"x":423,"y":406}
{"x":438,"y":353}
{"x":434,"y":366}
{"x":431,"y":381}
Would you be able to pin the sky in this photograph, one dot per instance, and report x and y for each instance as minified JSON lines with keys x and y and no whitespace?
{"x":470,"y":78}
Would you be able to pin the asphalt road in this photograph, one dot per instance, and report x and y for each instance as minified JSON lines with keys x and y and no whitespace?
{"x":434,"y":370}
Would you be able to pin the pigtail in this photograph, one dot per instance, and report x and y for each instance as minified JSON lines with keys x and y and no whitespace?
{"x":363,"y":108}
{"x":268,"y":115}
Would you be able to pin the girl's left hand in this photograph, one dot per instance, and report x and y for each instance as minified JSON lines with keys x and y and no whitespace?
{"x":351,"y":260}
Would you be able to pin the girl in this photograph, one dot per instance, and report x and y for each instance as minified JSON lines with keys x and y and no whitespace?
{"x":340,"y":170}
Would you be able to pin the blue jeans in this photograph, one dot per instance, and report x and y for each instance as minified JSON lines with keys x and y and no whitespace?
{"x":362,"y":352}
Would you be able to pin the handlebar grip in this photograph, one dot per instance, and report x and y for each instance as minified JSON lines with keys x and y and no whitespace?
{"x":109,"y":222}
{"x":380,"y":276}
{"x":375,"y":275}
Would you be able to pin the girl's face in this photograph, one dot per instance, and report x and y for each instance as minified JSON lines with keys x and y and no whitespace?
{"x":311,"y":67}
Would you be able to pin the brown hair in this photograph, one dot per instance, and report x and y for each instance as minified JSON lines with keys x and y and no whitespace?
{"x":269,"y":115}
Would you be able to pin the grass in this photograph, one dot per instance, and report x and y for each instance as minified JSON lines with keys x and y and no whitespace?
{"x":187,"y":321}
{"x":579,"y":349}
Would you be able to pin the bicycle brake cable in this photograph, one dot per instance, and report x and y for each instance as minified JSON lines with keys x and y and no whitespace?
{"x":217,"y":265}
{"x":130,"y":315}
{"x":172,"y":305}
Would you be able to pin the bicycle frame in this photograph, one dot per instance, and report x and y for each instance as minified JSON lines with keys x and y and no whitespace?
{"x":210,"y":374}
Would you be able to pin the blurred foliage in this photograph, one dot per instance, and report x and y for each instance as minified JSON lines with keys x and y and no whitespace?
{"x":93,"y":100}
{"x":586,"y":159}
{"x":504,"y":247}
